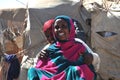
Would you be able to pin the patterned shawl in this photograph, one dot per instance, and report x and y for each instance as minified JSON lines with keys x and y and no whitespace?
{"x":65,"y":60}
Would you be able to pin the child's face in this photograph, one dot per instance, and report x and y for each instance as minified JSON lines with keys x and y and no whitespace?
{"x":49,"y":36}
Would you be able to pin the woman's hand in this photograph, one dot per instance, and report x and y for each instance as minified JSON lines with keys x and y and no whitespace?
{"x":43,"y":54}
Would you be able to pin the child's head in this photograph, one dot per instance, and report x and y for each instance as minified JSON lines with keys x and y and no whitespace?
{"x":47,"y":29}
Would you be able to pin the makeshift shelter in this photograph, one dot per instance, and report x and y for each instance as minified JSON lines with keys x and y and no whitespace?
{"x":33,"y":39}
{"x":96,"y":21}
{"x":11,"y":24}
{"x":38,"y":14}
{"x":105,"y":35}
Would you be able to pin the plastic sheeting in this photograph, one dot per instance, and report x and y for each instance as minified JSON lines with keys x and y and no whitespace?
{"x":39,"y":12}
{"x":105,"y":37}
{"x":10,"y":20}
{"x":108,"y":44}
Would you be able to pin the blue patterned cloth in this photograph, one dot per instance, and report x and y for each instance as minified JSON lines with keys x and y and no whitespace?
{"x":14,"y":69}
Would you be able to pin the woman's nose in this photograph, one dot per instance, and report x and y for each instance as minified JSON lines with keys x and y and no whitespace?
{"x":59,"y":28}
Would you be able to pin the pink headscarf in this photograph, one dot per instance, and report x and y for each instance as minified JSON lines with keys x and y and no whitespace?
{"x":70,"y":49}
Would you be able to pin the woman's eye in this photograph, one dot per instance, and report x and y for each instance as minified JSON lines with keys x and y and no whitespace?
{"x":62,"y":27}
{"x":56,"y":27}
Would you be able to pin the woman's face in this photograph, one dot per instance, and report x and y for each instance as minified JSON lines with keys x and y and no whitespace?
{"x":61,"y":29}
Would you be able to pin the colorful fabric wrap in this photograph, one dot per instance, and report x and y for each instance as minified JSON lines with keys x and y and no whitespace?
{"x":65,"y":61}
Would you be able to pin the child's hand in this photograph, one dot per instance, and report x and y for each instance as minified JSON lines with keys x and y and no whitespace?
{"x":88,"y":58}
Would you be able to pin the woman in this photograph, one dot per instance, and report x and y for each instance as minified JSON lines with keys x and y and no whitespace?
{"x":65,"y":60}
